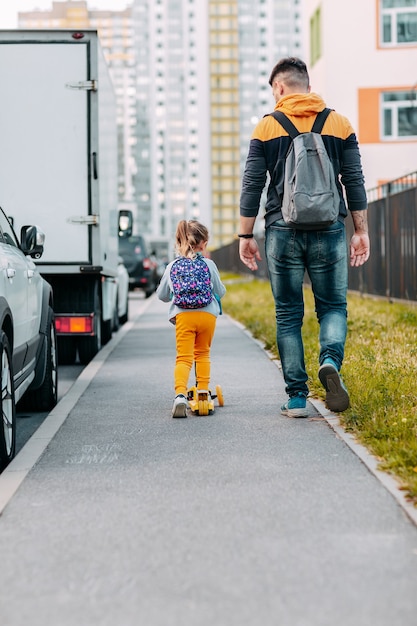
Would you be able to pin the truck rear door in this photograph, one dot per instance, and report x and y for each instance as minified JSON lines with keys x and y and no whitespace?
{"x":45,"y":135}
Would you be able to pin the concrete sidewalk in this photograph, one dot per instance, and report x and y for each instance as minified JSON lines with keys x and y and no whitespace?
{"x":245,"y":517}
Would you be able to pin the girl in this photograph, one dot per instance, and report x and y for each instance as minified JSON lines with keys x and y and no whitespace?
{"x":193,"y":314}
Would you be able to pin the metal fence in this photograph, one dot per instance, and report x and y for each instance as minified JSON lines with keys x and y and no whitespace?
{"x":393,"y":186}
{"x":392,"y":268}
{"x":227,"y":259}
{"x":391,"y":271}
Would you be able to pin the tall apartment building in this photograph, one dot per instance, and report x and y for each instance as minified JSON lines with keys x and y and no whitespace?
{"x":369,"y":75}
{"x":203,"y":69}
{"x":224,"y":118}
{"x":268,"y":31}
{"x":116,"y":36}
{"x":191,"y":81}
{"x":173,"y":158}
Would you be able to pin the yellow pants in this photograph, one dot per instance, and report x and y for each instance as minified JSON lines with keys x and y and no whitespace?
{"x":194,"y":332}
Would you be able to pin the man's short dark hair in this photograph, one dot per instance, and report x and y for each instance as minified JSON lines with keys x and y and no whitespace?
{"x":294,"y":69}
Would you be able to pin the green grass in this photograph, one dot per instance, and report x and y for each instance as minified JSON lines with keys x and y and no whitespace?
{"x":380,"y":368}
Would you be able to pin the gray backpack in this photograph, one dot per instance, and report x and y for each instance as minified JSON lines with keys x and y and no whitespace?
{"x":311,"y":199}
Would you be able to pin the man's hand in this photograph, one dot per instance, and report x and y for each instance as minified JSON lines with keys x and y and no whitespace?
{"x":359,"y":249}
{"x":359,"y":244}
{"x":249,"y":253}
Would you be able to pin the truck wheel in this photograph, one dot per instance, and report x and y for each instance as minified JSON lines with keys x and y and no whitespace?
{"x":46,"y":396}
{"x":116,"y":321}
{"x":67,"y":350}
{"x":106,"y":331}
{"x":89,"y":346}
{"x":8,"y":408}
{"x":123,"y":318}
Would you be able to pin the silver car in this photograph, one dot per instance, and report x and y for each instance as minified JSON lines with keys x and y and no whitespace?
{"x":28,"y":358}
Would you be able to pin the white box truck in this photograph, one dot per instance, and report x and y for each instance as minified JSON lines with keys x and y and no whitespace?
{"x":58,"y":169}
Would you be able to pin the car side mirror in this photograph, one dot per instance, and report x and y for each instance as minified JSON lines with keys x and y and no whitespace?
{"x":32,"y":240}
{"x":125,"y":223}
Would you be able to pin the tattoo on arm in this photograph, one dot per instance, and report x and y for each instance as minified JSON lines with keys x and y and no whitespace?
{"x":360,"y":221}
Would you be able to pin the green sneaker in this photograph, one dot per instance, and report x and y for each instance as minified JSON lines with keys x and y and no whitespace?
{"x":337,"y":396}
{"x":295,"y":407}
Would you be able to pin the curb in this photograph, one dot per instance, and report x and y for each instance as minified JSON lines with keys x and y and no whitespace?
{"x":391,"y":484}
{"x":389,"y":481}
{"x":15,"y":473}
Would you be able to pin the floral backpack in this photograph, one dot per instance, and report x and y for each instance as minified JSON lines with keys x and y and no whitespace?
{"x":191,"y":283}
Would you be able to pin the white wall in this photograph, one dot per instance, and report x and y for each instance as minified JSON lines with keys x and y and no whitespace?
{"x":351,"y":60}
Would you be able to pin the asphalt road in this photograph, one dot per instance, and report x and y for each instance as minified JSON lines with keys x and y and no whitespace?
{"x":28,"y":422}
{"x":242,"y":518}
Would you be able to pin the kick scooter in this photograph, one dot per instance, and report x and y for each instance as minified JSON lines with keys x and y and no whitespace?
{"x":201,"y":402}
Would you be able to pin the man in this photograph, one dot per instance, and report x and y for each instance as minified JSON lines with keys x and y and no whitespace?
{"x":289,"y":251}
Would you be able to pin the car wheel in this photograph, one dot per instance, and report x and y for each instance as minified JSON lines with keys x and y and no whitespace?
{"x":8,"y":409}
{"x":46,"y":396}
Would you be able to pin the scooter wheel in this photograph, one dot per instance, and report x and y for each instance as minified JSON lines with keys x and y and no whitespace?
{"x":219,"y":394}
{"x":203,"y":407}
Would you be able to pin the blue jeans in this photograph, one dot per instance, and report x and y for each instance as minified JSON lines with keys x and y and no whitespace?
{"x":323,"y":254}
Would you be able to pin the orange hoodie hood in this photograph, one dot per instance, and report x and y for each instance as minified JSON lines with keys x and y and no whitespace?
{"x":301,"y":104}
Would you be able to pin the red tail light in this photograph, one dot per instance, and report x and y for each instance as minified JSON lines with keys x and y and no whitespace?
{"x":74,"y":324}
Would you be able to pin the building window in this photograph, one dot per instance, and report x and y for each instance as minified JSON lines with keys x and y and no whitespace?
{"x":315,"y":36}
{"x":399,"y":115}
{"x":398,"y":22}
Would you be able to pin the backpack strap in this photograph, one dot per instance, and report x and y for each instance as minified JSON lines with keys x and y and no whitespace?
{"x":320,"y":120}
{"x":286,"y":123}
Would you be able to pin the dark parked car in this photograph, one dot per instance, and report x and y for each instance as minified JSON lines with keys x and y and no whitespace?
{"x":140,"y":264}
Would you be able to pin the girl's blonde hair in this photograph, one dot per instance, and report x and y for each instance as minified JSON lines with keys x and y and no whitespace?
{"x":188,"y":236}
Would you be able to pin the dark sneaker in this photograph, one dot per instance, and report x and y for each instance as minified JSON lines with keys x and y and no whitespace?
{"x":337,"y":396}
{"x":180,"y":406}
{"x":295,"y":407}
